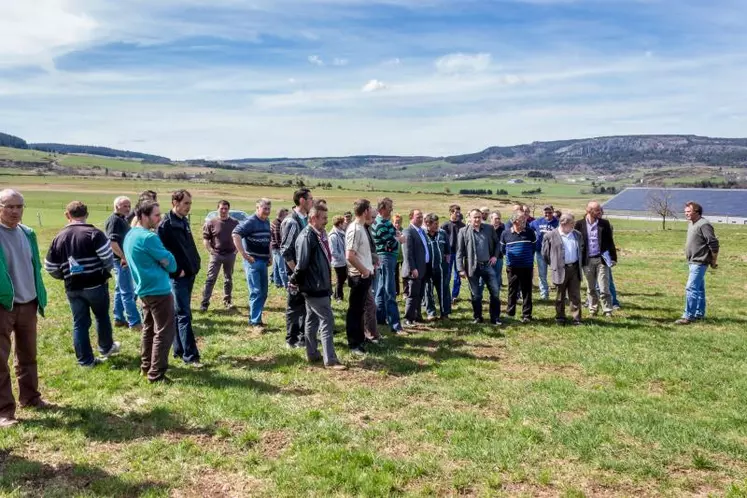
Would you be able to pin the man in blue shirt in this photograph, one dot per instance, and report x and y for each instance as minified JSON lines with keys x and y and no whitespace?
{"x":541,"y":226}
{"x":252,"y":241}
{"x":517,"y":243}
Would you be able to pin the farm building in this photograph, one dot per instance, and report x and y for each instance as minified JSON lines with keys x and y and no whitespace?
{"x":719,"y":205}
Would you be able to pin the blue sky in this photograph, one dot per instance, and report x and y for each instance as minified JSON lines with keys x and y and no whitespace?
{"x":258,"y":78}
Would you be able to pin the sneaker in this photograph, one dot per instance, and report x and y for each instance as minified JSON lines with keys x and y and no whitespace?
{"x":359,"y":351}
{"x":375,"y":340}
{"x":608,"y":314}
{"x":497,"y":323}
{"x":120,"y":324}
{"x":229,"y":305}
{"x":615,"y":306}
{"x":408,"y":323}
{"x":112,"y":350}
{"x":96,"y":361}
{"x":477,"y":321}
{"x":336,"y":366}
{"x":577,"y":322}
{"x":137,"y":327}
{"x":6,"y":422}
{"x":194,"y":364}
{"x":683,"y":321}
{"x":526,"y":319}
{"x":203,"y":308}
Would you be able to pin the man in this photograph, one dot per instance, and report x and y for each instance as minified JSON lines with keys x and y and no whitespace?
{"x":116,"y":228}
{"x":295,"y":312}
{"x":701,"y":251}
{"x":439,"y":273}
{"x":452,"y":228}
{"x":517,"y":243}
{"x":279,"y":273}
{"x":485,"y":211}
{"x":336,"y":238}
{"x":562,"y":249}
{"x":218,"y":242}
{"x":81,"y":255}
{"x":528,"y":213}
{"x":22,"y":296}
{"x":541,"y":226}
{"x":313,"y":278}
{"x":145,"y":195}
{"x":415,"y":262}
{"x":499,"y":227}
{"x":176,"y":235}
{"x":348,"y":218}
{"x":252,"y":240}
{"x":359,"y":253}
{"x":151,"y":266}
{"x":387,"y":246}
{"x":478,"y":251}
{"x":599,"y":253}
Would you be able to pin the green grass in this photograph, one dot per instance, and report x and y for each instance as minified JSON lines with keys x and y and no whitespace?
{"x":621,"y":407}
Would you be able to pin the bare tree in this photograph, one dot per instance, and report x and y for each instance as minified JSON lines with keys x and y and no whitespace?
{"x":660,"y":203}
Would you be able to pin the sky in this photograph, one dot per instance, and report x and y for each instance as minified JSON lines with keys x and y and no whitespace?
{"x":226,"y":79}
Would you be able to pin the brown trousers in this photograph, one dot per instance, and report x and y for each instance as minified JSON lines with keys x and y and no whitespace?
{"x":21,"y":323}
{"x":369,"y":318}
{"x":571,"y":286}
{"x":158,"y":334}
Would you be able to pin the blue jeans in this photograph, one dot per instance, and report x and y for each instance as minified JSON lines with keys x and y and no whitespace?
{"x":695,"y":296}
{"x":499,"y":272}
{"x":486,"y":274}
{"x":542,"y":274}
{"x":185,"y":346}
{"x":386,"y":291}
{"x":82,"y":302}
{"x":457,"y":285}
{"x":124,"y":296}
{"x":256,"y":280}
{"x":279,"y":272}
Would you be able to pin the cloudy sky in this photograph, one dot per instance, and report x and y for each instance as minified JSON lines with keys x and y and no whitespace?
{"x":259,"y":78}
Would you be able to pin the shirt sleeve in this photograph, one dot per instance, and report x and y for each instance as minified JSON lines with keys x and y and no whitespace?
{"x":159,"y":252}
{"x":52,"y":262}
{"x":206,"y":231}
{"x":710,"y":238}
{"x":104,"y":250}
{"x":350,"y":240}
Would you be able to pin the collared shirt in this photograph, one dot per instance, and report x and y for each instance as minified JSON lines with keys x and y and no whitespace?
{"x":592,"y":229}
{"x":322,"y":236}
{"x":570,"y":246}
{"x":482,"y":246}
{"x":357,"y":240}
{"x":425,"y":243}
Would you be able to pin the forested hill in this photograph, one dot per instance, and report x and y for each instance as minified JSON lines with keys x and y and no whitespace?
{"x":12,"y":141}
{"x":99,"y":151}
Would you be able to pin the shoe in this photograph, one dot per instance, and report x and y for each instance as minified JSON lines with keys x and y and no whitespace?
{"x":375,"y":340}
{"x":161,"y":380}
{"x":432,"y":318}
{"x":203,"y":309}
{"x":454,"y":300}
{"x":96,"y":361}
{"x":257,"y":327}
{"x":194,"y":364}
{"x":229,"y":306}
{"x":408,"y":323}
{"x":497,"y":323}
{"x":336,"y":366}
{"x":359,"y":351}
{"x":41,"y":405}
{"x":615,"y":306}
{"x":577,"y":322}
{"x":119,"y":324}
{"x":137,"y":327}
{"x":683,"y":321}
{"x":526,"y":319}
{"x":560,"y":321}
{"x":477,"y":321}
{"x":608,"y":314}
{"x":314,"y":359}
{"x":6,"y":422}
{"x":112,"y":350}
{"x":593,"y":313}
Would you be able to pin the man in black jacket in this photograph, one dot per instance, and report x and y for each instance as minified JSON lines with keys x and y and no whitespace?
{"x":599,"y":254}
{"x":176,"y":235}
{"x":452,"y":228}
{"x":81,"y":255}
{"x":416,"y":260}
{"x":312,"y":277}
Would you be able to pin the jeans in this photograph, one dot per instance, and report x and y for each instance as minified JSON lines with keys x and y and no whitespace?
{"x":279,"y":272}
{"x":386,"y":296}
{"x":485,"y":273}
{"x":457,"y":279}
{"x":185,"y":346}
{"x":256,"y":281}
{"x":542,"y":274}
{"x":82,"y":303}
{"x":695,"y":296}
{"x":218,"y":261}
{"x":499,"y":272}
{"x":124,"y":296}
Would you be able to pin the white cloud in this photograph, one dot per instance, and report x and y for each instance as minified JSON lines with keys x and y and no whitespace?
{"x":340,"y":62}
{"x":374,"y":86}
{"x":461,"y":63}
{"x":396,"y":61}
{"x":316,"y":60}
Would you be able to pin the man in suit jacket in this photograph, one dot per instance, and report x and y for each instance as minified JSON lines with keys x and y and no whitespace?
{"x":415,"y":263}
{"x":599,"y":253}
{"x":563,"y":250}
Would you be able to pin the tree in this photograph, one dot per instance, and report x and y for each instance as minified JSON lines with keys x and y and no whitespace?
{"x":659,"y":202}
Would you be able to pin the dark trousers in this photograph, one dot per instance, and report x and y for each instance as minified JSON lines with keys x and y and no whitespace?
{"x":519,"y":280}
{"x":360,"y":288}
{"x":414,"y":292}
{"x":295,"y":317}
{"x":218,"y":261}
{"x":396,"y":280}
{"x":342,"y":276}
{"x":82,"y":303}
{"x":21,"y":325}
{"x":185,"y":346}
{"x":158,"y":334}
{"x":571,"y":286}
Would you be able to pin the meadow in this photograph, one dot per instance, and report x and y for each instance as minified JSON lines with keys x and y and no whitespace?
{"x":628,"y":406}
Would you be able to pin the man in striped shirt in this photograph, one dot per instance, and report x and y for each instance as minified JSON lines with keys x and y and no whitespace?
{"x":517,"y":243}
{"x":81,"y":255}
{"x":387,"y":248}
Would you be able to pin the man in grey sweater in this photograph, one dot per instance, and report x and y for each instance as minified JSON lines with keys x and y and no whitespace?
{"x":701,"y":251}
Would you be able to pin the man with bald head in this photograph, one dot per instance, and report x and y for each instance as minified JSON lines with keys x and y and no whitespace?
{"x":22,"y":296}
{"x":416,"y":260}
{"x":599,"y":254}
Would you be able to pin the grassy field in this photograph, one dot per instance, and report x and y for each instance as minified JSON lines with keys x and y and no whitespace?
{"x":631,"y":406}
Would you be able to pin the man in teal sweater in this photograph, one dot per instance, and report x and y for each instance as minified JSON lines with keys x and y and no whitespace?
{"x":151,"y":264}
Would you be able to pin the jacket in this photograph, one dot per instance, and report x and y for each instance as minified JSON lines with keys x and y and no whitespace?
{"x":176,"y":235}
{"x":553,"y":253}
{"x":452,"y":229}
{"x":606,"y":241}
{"x":81,"y":255}
{"x":466,"y":255}
{"x":337,"y":246}
{"x":289,"y":230}
{"x":312,"y":275}
{"x":413,"y":253}
{"x":439,"y":247}
{"x":6,"y":284}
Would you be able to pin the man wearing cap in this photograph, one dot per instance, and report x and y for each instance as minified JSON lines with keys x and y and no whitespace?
{"x":541,"y":226}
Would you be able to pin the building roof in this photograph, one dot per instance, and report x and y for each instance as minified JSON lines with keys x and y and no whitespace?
{"x":715,"y":201}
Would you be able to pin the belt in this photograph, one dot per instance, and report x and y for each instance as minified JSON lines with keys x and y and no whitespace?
{"x":595,"y":256}
{"x":568,"y":265}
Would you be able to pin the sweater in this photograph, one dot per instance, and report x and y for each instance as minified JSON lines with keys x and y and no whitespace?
{"x":541,"y":226}
{"x":701,"y":242}
{"x":518,"y":247}
{"x":81,"y":255}
{"x":149,"y":262}
{"x":7,"y":293}
{"x":255,"y":237}
{"x":384,"y":235}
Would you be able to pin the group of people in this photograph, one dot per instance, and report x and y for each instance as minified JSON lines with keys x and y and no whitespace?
{"x":154,"y":259}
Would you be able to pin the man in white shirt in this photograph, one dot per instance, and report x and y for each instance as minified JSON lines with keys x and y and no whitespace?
{"x":562,"y":249}
{"x":359,"y":249}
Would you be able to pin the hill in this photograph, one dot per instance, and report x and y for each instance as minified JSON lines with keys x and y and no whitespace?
{"x":99,"y":151}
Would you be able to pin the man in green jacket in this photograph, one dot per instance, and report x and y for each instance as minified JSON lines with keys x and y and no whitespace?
{"x":22,"y":295}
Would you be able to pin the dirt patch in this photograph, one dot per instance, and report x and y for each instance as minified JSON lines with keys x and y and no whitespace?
{"x":272,"y":444}
{"x":213,"y":483}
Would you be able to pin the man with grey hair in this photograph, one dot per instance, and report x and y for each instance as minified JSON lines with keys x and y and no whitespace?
{"x":562,"y":250}
{"x":252,"y":240}
{"x":599,"y":255}
{"x":116,"y":228}
{"x":517,"y":243}
{"x":22,"y":296}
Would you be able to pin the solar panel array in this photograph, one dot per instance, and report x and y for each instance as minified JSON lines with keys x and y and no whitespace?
{"x":715,"y":202}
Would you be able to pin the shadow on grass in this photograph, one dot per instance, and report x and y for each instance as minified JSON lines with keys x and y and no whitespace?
{"x":264,"y":364}
{"x":205,"y":377}
{"x":19,"y":475}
